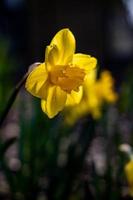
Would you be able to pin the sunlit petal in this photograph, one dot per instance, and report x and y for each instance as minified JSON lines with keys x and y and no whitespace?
{"x":65,"y":42}
{"x":74,"y":97}
{"x":51,"y":56}
{"x":84,"y":61}
{"x":37,"y":81}
{"x":55,"y":101}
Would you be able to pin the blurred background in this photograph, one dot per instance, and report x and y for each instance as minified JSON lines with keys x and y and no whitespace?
{"x":103,"y":29}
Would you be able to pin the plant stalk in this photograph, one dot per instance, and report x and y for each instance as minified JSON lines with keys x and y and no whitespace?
{"x":12,"y":98}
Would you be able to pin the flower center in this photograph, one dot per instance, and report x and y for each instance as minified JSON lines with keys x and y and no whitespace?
{"x":67,"y":77}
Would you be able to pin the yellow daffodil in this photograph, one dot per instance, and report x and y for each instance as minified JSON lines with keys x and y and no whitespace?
{"x":128,"y":168}
{"x":95,"y":94}
{"x":59,"y":80}
{"x":104,"y":87}
{"x":129,"y":175}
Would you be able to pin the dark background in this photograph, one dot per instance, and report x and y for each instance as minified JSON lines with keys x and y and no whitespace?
{"x":102,"y":29}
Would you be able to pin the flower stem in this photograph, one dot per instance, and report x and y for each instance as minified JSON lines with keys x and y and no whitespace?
{"x":12,"y":98}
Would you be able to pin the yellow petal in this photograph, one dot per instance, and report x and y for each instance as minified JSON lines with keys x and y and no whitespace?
{"x":84,"y":61}
{"x":37,"y":81}
{"x":74,"y":97}
{"x":55,"y":101}
{"x":65,"y":43}
{"x":90,"y":79}
{"x":51,"y":56}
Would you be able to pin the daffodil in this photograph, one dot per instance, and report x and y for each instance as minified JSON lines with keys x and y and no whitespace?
{"x":129,"y":175}
{"x":96,"y":93}
{"x":105,"y":87}
{"x":59,"y":80}
{"x":128,"y":168}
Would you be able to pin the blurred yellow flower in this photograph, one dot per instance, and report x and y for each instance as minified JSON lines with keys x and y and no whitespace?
{"x":104,"y":87}
{"x":59,"y":80}
{"x":95,"y":94}
{"x":129,"y":175}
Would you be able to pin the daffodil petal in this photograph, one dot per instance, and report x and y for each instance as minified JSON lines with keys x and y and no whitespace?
{"x":65,"y":43}
{"x":55,"y":102}
{"x":89,"y":80}
{"x":51,"y":56}
{"x":74,"y":97}
{"x":37,"y":81}
{"x":84,"y":61}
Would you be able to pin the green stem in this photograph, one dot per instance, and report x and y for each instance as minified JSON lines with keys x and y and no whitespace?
{"x":12,"y":98}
